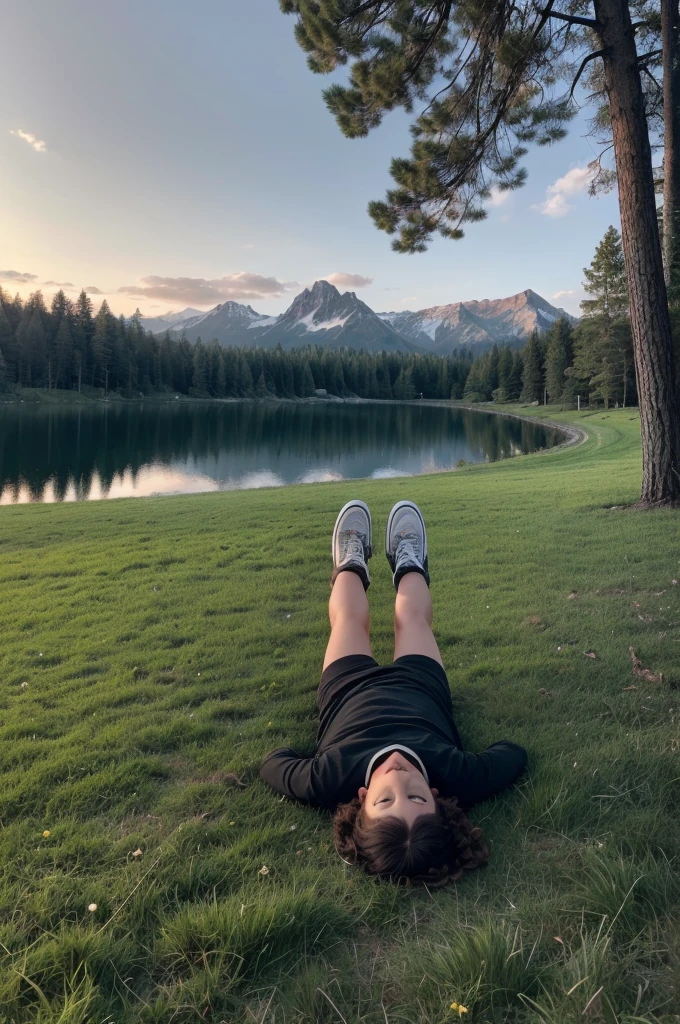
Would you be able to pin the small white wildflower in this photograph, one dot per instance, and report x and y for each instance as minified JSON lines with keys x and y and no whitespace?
{"x":264,"y":870}
{"x":92,"y":907}
{"x":24,"y":685}
{"x":137,"y":853}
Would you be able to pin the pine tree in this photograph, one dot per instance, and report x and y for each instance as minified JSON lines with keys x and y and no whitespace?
{"x":245,"y":378}
{"x":478,"y":385}
{"x":532,"y":373}
{"x":288,"y":379}
{"x":605,"y":280}
{"x":102,"y":346}
{"x":516,"y":376}
{"x":494,"y":358}
{"x":199,"y":378}
{"x":32,"y":344}
{"x":307,"y":386}
{"x":262,"y":391}
{"x":403,"y":386}
{"x":488,"y":78}
{"x":604,"y":332}
{"x":670,"y":36}
{"x":504,"y":391}
{"x":559,"y":356}
{"x":3,"y":372}
{"x":63,"y":355}
{"x":83,"y":329}
{"x":8,"y":344}
{"x":603,"y":384}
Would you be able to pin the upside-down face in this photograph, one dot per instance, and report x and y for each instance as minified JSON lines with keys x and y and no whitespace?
{"x":397,"y":789}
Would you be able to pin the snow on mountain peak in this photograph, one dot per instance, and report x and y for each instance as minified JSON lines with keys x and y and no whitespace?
{"x":322,"y":315}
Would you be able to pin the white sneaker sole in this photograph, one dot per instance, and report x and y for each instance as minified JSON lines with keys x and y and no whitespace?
{"x":353,"y":504}
{"x":388,"y":529}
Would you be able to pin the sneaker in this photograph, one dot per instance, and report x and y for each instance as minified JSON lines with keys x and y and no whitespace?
{"x":352,"y":541}
{"x":406,"y":542}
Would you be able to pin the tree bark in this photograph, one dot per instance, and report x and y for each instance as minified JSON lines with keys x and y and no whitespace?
{"x":670,"y":36}
{"x":649,"y":316}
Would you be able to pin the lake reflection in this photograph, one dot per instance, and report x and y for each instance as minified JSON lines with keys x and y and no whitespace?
{"x":121,"y":450}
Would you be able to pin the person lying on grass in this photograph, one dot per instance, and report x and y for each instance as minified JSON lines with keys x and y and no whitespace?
{"x":389,"y":759}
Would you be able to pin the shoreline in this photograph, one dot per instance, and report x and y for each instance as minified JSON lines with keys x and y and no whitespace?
{"x":37,"y":397}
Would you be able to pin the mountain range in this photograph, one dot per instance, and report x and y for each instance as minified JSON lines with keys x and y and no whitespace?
{"x":321,"y":315}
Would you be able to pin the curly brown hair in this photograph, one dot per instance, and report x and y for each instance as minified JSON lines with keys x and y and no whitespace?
{"x":437,"y":848}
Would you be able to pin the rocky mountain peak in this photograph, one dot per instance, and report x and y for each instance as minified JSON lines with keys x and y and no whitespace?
{"x":321,"y":315}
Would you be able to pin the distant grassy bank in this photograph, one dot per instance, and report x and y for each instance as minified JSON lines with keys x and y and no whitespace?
{"x":154,"y":649}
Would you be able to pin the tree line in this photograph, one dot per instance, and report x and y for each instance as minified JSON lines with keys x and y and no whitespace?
{"x":68,"y":347}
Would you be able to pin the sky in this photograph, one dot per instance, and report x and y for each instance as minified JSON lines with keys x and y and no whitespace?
{"x":164,"y":155}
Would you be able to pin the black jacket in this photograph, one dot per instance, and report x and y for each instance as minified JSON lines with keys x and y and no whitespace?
{"x":407,"y":703}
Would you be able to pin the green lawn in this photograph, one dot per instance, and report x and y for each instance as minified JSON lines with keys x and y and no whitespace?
{"x":154,"y":649}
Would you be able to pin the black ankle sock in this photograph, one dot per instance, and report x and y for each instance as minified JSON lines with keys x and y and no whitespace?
{"x":360,"y":570}
{"x":399,"y":575}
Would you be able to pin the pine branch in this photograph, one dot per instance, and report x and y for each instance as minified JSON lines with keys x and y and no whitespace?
{"x":584,"y":62}
{"x":441,"y":23}
{"x":643,"y":67}
{"x":361,"y":9}
{"x":571,"y":19}
{"x":648,"y":56}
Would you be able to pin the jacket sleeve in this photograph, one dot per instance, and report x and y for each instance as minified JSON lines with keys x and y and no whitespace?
{"x":476,"y":777}
{"x":288,"y":773}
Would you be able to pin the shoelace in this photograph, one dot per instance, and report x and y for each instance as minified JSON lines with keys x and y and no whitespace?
{"x":408,"y":550}
{"x":354,"y":547}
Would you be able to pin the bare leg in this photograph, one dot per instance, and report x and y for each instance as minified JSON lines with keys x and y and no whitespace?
{"x":350,"y":619}
{"x":413,"y":619}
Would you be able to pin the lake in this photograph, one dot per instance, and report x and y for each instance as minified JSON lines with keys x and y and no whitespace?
{"x":76,"y":453}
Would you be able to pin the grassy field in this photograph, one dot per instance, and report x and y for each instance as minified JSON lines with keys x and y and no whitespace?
{"x":154,"y":649}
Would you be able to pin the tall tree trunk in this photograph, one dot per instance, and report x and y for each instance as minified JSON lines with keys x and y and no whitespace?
{"x":625,"y":382}
{"x":650,"y":320}
{"x":670,"y":35}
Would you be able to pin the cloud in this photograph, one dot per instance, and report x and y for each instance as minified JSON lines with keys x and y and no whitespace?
{"x":38,"y":144}
{"x":498,"y":196}
{"x":570,"y":184}
{"x":200,"y":291}
{"x":248,"y":246}
{"x":348,"y":280}
{"x":17,"y":277}
{"x":93,"y":290}
{"x":556,"y":206}
{"x":563,"y":293}
{"x":58,"y":284}
{"x":574,"y":181}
